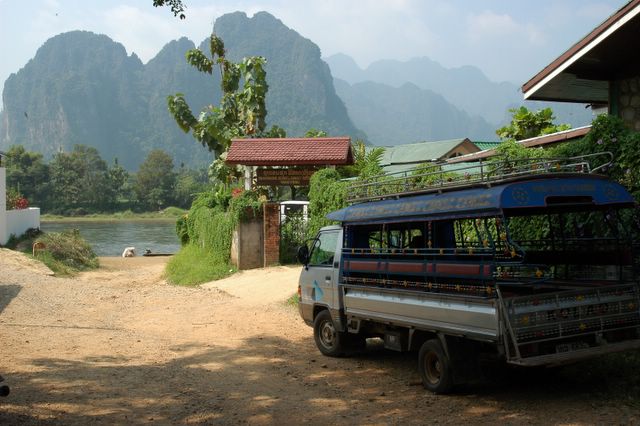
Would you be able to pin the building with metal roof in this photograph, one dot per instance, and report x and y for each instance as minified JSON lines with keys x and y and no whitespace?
{"x":536,"y":142}
{"x":602,"y":69}
{"x":399,"y":158}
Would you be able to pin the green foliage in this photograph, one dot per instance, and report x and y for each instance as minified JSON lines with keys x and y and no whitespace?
{"x":245,"y":206}
{"x":221,"y":173}
{"x":314,"y":133}
{"x":206,"y":232}
{"x":81,"y":179}
{"x":242,"y":110}
{"x":193,"y":265}
{"x":366,"y":161}
{"x":430,"y":174}
{"x":155,"y":181}
{"x":15,"y":200}
{"x":326,"y":194}
{"x":609,"y":133}
{"x":509,"y":153}
{"x":293,"y":301}
{"x":188,"y":184}
{"x":28,"y":175}
{"x":177,"y":8}
{"x":275,"y":132}
{"x":293,"y":233}
{"x":80,"y":183}
{"x":23,"y":242}
{"x":527,"y":124}
{"x":67,"y":252}
{"x":510,"y":150}
{"x":170,"y":213}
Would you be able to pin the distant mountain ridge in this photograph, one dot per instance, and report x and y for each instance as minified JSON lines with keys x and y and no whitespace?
{"x":395,"y":116}
{"x":82,"y":88}
{"x":467,"y":87}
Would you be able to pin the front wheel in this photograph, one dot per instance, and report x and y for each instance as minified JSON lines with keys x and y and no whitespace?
{"x":330,"y":341}
{"x":435,"y":368}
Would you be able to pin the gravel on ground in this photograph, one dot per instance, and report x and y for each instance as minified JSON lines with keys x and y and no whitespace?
{"x":119,"y":345}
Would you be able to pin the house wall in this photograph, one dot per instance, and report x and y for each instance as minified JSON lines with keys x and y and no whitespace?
{"x":19,"y":221}
{"x":629,"y":101}
{"x":466,"y":147}
{"x":247,"y":245}
{"x":271,"y":233}
{"x":3,"y":206}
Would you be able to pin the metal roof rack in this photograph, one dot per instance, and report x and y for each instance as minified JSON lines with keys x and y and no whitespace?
{"x":432,"y":177}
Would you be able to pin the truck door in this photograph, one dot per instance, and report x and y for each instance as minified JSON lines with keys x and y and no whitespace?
{"x":321,"y":273}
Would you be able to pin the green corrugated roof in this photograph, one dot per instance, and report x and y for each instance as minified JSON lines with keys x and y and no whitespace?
{"x":486,"y":144}
{"x":421,"y":151}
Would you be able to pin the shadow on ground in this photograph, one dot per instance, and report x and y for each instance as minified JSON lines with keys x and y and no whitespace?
{"x":274,"y":380}
{"x":8,"y":292}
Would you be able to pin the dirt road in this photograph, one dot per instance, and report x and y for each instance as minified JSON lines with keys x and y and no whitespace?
{"x":120,"y":346}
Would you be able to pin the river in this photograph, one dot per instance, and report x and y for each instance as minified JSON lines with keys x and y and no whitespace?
{"x":110,"y":238}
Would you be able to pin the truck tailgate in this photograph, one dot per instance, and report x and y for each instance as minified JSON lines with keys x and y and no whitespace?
{"x":570,"y":325}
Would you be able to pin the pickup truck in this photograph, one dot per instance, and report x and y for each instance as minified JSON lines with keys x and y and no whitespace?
{"x":529,"y":265}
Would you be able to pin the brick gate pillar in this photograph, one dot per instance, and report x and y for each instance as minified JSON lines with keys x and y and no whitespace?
{"x":271,"y":233}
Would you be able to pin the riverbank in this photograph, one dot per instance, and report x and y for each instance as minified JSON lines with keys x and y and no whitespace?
{"x":109,"y":237}
{"x":168,"y":214}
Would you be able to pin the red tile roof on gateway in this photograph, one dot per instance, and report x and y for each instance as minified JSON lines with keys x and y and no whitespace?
{"x":290,"y":151}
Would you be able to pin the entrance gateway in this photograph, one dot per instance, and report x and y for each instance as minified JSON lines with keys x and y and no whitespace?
{"x":281,"y":162}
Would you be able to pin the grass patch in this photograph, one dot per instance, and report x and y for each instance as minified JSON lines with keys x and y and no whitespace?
{"x":66,"y":253}
{"x":193,"y":265}
{"x":293,"y":301}
{"x":170,"y":213}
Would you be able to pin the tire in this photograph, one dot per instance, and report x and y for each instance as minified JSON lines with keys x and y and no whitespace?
{"x":435,"y":367}
{"x":330,"y":341}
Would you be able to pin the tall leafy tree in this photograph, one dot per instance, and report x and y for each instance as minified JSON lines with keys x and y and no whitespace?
{"x":119,"y":182}
{"x":527,"y":124}
{"x":242,"y":109}
{"x":155,"y":181}
{"x":188,"y":184}
{"x":28,"y":174}
{"x":81,"y":179}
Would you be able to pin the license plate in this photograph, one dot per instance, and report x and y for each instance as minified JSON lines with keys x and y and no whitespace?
{"x":571,"y":346}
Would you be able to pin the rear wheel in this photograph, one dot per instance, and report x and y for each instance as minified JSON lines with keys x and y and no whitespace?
{"x":435,"y":368}
{"x":330,"y":341}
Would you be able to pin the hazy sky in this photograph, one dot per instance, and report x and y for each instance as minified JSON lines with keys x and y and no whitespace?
{"x":507,"y":39}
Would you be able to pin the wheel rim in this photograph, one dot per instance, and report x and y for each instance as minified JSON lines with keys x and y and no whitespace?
{"x":433,"y":368}
{"x":327,"y":334}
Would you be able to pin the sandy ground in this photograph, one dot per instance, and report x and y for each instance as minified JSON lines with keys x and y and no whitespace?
{"x":120,"y":346}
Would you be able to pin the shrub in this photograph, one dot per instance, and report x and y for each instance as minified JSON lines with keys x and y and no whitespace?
{"x":15,"y":200}
{"x":293,"y":233}
{"x":326,"y":194}
{"x":67,"y":252}
{"x":206,"y":232}
{"x":609,"y":133}
{"x":193,"y":265}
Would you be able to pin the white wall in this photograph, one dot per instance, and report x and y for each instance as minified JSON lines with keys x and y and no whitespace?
{"x":18,"y":221}
{"x":14,"y":222}
{"x":3,"y":206}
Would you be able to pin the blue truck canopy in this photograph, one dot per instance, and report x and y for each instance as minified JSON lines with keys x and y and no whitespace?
{"x":526,"y":193}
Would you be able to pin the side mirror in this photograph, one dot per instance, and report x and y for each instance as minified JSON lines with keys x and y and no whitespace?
{"x":303,"y":254}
